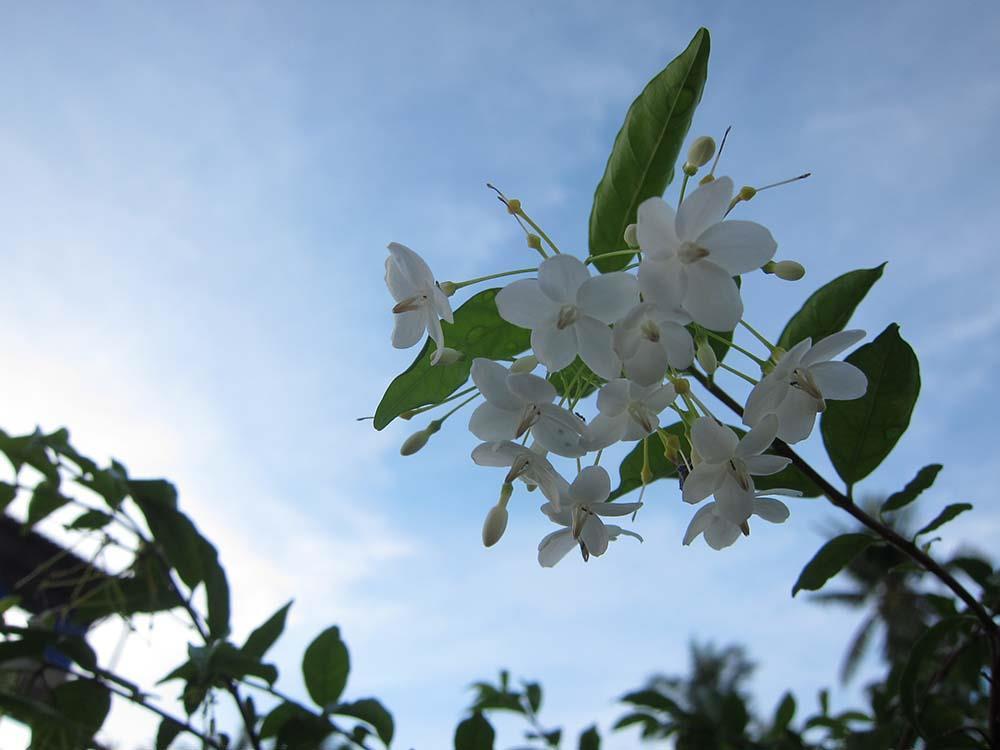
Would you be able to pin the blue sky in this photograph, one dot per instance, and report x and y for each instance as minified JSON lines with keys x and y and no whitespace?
{"x":194,"y":208}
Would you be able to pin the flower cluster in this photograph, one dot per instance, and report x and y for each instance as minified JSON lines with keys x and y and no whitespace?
{"x":634,"y":337}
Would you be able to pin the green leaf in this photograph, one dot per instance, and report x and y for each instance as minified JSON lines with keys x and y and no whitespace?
{"x":830,"y":307}
{"x":7,"y":494}
{"x":576,"y":380}
{"x":830,"y":560}
{"x":653,"y":699}
{"x":590,"y":739}
{"x":83,"y":706}
{"x":225,"y":662}
{"x":478,"y":331}
{"x":58,"y":441}
{"x":90,"y":520}
{"x":45,"y":500}
{"x":642,"y":160}
{"x":279,"y":716}
{"x":167,"y":733}
{"x":925,"y":648}
{"x":922,"y":481}
{"x":373,"y":713}
{"x":475,"y":733}
{"x":946,"y":515}
{"x":859,"y":434}
{"x":30,"y":450}
{"x":784,"y":714}
{"x":261,"y":639}
{"x":533,"y":692}
{"x":325,"y":666}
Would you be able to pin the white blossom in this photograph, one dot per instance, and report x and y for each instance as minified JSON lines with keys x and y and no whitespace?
{"x":651,"y":338}
{"x":720,"y":532}
{"x":568,"y":313}
{"x":692,"y":255}
{"x":628,"y":411}
{"x":420,"y":303}
{"x":525,"y":464}
{"x":801,"y":383}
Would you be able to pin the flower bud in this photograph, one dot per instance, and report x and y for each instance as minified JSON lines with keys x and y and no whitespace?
{"x":631,"y":236}
{"x":680,"y":385}
{"x":689,"y":169}
{"x":414,"y":442}
{"x":701,"y":151}
{"x":448,"y":287}
{"x":446,"y":356}
{"x":671,"y":448}
{"x":514,"y":206}
{"x":494,"y":525}
{"x":788,"y":270}
{"x":746,"y":193}
{"x":706,"y":357}
{"x":534,"y":241}
{"x":524,"y":364}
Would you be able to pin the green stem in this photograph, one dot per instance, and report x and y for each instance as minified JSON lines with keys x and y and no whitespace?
{"x":541,"y":232}
{"x":759,"y":336}
{"x":734,"y":371}
{"x":683,"y":189}
{"x":612,"y":254}
{"x":460,"y":284}
{"x":452,"y":397}
{"x":732,"y":344}
{"x":448,"y":414}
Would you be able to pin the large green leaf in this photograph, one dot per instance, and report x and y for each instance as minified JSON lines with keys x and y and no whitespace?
{"x":642,"y":159}
{"x":859,"y":434}
{"x":830,"y":307}
{"x":478,"y":331}
{"x":82,"y":706}
{"x":832,"y":557}
{"x":325,"y":666}
{"x":922,"y":481}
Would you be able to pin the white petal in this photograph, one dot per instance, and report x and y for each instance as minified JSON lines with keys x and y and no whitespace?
{"x":712,"y":297}
{"x":614,"y":509}
{"x":831,"y":346}
{"x":636,"y":431}
{"x":661,"y":282}
{"x":523,"y":304}
{"x":554,"y":547}
{"x":625,"y":336}
{"x":796,"y":416}
{"x":648,"y":364}
{"x":560,"y":431}
{"x":721,"y":533}
{"x":490,"y":423}
{"x":733,"y":502}
{"x":765,"y":398}
{"x":714,"y":442}
{"x":703,"y":208}
{"x":761,"y":466}
{"x":612,"y":399}
{"x":594,"y":536}
{"x":677,"y":341}
{"x":660,"y":398}
{"x":738,"y":246}
{"x":491,"y":379}
{"x":408,"y":328}
{"x":770,"y":509}
{"x":441,"y":305}
{"x":779,"y":491}
{"x":531,"y":388}
{"x":433,"y":323}
{"x":655,"y":228}
{"x":616,"y":531}
{"x":554,"y":348}
{"x":399,"y":284}
{"x":701,"y":520}
{"x":592,"y":485}
{"x":498,"y":453}
{"x":839,"y":380}
{"x":605,"y":430}
{"x":608,"y":297}
{"x":702,"y":481}
{"x":411,"y":265}
{"x":759,"y":439}
{"x":595,"y":347}
{"x":561,"y":276}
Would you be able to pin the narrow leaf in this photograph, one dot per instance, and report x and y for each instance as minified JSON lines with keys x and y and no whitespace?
{"x":90,"y":520}
{"x":832,"y":557}
{"x":830,"y":307}
{"x":642,"y":160}
{"x":922,"y":481}
{"x":784,"y":714}
{"x":262,"y":638}
{"x":859,"y":434}
{"x":167,"y":733}
{"x":325,"y":666}
{"x":946,"y":515}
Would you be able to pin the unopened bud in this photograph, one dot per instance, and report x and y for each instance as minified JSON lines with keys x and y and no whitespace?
{"x":671,"y":447}
{"x":446,"y":356}
{"x":448,"y":287}
{"x":414,"y":442}
{"x":524,"y":364}
{"x":631,"y":236}
{"x":707,"y":358}
{"x":689,"y":169}
{"x":746,"y":193}
{"x":787,"y":270}
{"x":701,"y":151}
{"x":680,"y":385}
{"x":514,"y":206}
{"x":494,"y":525}
{"x":534,"y":242}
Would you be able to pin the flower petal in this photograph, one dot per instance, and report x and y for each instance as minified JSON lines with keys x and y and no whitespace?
{"x":560,"y":431}
{"x":829,"y":347}
{"x":738,"y":246}
{"x":531,"y":388}
{"x":712,"y":297}
{"x":648,"y":364}
{"x":770,"y":509}
{"x":523,"y":304}
{"x":759,"y":438}
{"x":399,"y":284}
{"x":662,"y":282}
{"x":554,"y":348}
{"x":654,"y":228}
{"x":608,"y":297}
{"x":561,"y":276}
{"x":594,"y":339}
{"x":660,"y":398}
{"x":594,"y":536}
{"x":677,"y":341}
{"x":605,"y":430}
{"x":490,"y":423}
{"x":796,"y":415}
{"x":555,"y":546}
{"x":700,"y":521}
{"x":703,"y":208}
{"x":614,"y":509}
{"x":592,"y":485}
{"x":714,"y":442}
{"x":733,"y":503}
{"x":491,"y":379}
{"x":411,"y":266}
{"x":701,"y":482}
{"x":496,"y":453}
{"x":765,"y":398}
{"x":721,"y":533}
{"x":612,"y":399}
{"x":765,"y":465}
{"x":441,"y":305}
{"x":839,"y":380}
{"x":408,"y":328}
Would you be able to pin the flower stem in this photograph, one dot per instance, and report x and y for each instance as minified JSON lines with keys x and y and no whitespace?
{"x":734,"y":371}
{"x":732,"y":344}
{"x":759,"y":336}
{"x":541,"y":232}
{"x":460,"y":284}
{"x":592,"y":258}
{"x":683,"y":189}
{"x":449,"y":413}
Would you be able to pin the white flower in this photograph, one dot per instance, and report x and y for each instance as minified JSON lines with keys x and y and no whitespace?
{"x":693,"y":255}
{"x":651,"y":338}
{"x":628,"y":411}
{"x":720,"y":532}
{"x":568,"y":313}
{"x":804,"y":379}
{"x":727,"y":463}
{"x":525,"y":464}
{"x":584,"y":502}
{"x":518,"y":402}
{"x":420,"y":304}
